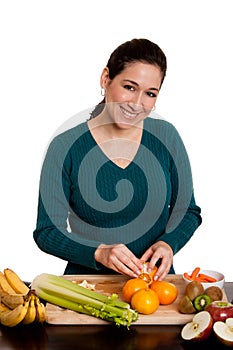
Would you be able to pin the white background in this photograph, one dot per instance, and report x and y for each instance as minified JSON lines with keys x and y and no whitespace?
{"x":52,"y":54}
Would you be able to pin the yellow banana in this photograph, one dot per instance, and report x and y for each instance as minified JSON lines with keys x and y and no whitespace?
{"x":2,"y":292}
{"x":31,"y":311}
{"x":5,"y":286}
{"x":12,"y":300}
{"x":40,"y":311}
{"x":15,"y":281}
{"x":13,"y":317}
{"x":3,"y":307}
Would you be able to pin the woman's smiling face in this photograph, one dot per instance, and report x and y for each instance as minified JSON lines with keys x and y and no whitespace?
{"x":132,"y":94}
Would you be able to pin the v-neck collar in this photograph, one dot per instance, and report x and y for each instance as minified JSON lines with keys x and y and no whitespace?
{"x":111,"y":162}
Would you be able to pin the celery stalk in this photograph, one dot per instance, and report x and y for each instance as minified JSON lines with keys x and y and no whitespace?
{"x":62,"y":282}
{"x":67,"y":294}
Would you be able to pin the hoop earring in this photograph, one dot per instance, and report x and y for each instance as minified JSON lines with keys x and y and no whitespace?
{"x":102,"y":91}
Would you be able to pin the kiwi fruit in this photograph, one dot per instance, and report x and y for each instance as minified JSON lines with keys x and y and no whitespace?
{"x":201,"y":301}
{"x":186,"y":305}
{"x":214,"y":292}
{"x":193,"y":289}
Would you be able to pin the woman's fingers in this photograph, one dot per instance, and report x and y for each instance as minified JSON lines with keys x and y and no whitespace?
{"x":160,"y":251}
{"x":126,"y":262}
{"x":119,"y":258}
{"x":163,"y":269}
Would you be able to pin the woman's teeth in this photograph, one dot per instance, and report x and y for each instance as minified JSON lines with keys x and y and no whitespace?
{"x":129,"y":114}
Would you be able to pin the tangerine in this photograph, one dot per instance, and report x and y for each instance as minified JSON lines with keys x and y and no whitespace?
{"x":132,"y":286}
{"x":145,"y":301}
{"x":147,"y":276}
{"x":166,"y":291}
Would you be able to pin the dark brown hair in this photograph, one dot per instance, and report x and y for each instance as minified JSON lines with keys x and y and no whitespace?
{"x":135,"y":50}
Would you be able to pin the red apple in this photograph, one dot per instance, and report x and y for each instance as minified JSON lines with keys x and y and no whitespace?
{"x":199,"y":328}
{"x":224,"y":331}
{"x":220,"y":310}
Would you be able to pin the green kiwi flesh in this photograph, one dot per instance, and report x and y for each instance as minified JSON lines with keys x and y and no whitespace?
{"x":201,"y":301}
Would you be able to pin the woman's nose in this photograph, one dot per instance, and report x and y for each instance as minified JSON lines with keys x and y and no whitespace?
{"x":137,"y":101}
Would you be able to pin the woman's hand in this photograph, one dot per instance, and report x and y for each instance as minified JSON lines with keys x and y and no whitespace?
{"x":118,"y":258}
{"x":159,"y":250}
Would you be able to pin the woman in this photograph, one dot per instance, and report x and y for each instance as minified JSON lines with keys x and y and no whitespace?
{"x":116,"y":191}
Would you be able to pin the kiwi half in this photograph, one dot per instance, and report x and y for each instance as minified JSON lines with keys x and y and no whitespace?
{"x":186,"y":305}
{"x":201,"y":301}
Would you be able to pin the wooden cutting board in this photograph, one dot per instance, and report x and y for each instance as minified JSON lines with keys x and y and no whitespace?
{"x":108,"y":284}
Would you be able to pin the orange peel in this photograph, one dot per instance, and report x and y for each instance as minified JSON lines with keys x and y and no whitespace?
{"x":148,"y":277}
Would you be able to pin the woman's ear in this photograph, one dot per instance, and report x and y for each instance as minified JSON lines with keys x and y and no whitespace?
{"x":104,"y":78}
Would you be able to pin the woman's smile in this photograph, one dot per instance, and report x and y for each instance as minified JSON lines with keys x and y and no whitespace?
{"x":129,"y":114}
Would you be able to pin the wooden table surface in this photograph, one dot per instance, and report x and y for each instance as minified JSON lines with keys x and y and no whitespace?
{"x":101,"y":337}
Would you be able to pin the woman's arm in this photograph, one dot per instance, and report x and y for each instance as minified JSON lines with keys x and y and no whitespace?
{"x":184,"y":216}
{"x":51,"y":234}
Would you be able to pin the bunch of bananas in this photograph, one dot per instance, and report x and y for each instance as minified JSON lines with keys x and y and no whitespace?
{"x":18,"y":304}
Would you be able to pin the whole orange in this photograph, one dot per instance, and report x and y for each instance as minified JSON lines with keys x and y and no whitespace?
{"x":166,"y":291}
{"x":132,"y":286}
{"x":145,"y":301}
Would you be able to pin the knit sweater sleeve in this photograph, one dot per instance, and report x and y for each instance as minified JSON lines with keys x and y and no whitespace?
{"x":52,"y":234}
{"x":185,"y":215}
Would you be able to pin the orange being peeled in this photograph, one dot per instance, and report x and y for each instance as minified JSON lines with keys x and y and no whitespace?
{"x":147,"y":276}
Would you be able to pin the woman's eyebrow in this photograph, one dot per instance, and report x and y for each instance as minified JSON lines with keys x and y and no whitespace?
{"x":134,"y":83}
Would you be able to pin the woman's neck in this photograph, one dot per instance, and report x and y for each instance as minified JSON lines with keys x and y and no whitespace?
{"x":108,"y":130}
{"x":119,"y":144}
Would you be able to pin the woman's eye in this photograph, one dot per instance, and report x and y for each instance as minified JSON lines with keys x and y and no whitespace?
{"x":129,"y":87}
{"x":151,"y":94}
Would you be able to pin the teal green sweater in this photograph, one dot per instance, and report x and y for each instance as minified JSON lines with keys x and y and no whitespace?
{"x":85,"y":199}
